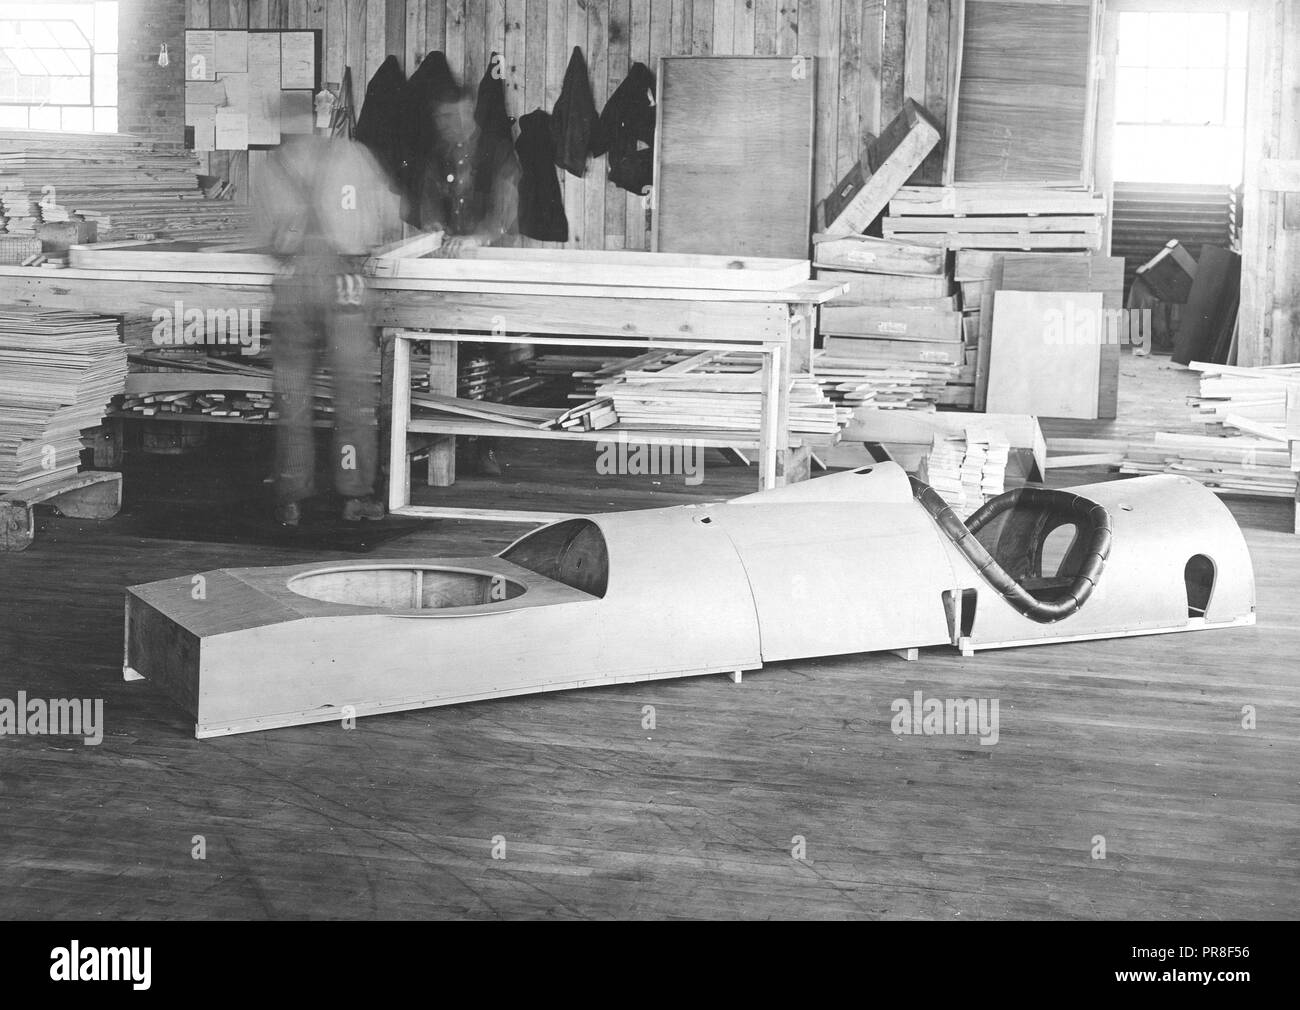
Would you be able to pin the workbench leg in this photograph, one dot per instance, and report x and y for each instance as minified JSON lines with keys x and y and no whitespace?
{"x":769,"y":423}
{"x":782,"y":366}
{"x":443,"y":368}
{"x":399,"y":465}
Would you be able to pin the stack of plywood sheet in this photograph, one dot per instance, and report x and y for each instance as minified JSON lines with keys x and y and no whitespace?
{"x":58,"y":371}
{"x":127,"y":185}
{"x":962,"y":217}
{"x":898,"y":317}
{"x":982,"y":274}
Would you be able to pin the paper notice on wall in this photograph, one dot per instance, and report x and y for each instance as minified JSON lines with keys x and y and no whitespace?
{"x":231,"y":130}
{"x":232,"y":51}
{"x":236,"y":89}
{"x":264,"y":88}
{"x":205,"y":130}
{"x":200,"y":56}
{"x":205,"y":93}
{"x":298,"y":60}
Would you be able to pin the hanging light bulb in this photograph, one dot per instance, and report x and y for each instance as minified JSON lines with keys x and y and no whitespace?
{"x":163,"y":59}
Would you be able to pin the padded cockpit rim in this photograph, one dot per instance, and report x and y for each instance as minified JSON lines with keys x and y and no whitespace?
{"x":1088,"y":514}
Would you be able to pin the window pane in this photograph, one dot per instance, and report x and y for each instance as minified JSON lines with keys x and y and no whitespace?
{"x":26,"y":62}
{"x":13,"y":117}
{"x":47,"y":117}
{"x":1207,"y":40}
{"x":106,"y":27}
{"x":1130,"y":153}
{"x":1238,"y":35}
{"x":67,"y":35}
{"x":105,"y":80}
{"x":1131,"y":95}
{"x":80,"y":60}
{"x":1132,"y":40}
{"x":1236,"y":105}
{"x":70,"y":90}
{"x":1168,"y":40}
{"x":1205,"y":96}
{"x":36,"y":35}
{"x":80,"y":120}
{"x":106,"y":120}
{"x":1166,"y":94}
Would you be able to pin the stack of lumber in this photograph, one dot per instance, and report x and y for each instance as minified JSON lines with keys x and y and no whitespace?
{"x":718,"y":401}
{"x":483,"y":410}
{"x":1249,"y":444}
{"x":976,"y":217}
{"x":127,"y":185}
{"x":58,"y":372}
{"x":591,"y":416}
{"x":899,"y":317}
{"x":967,"y":470}
{"x":1229,"y":465}
{"x":194,"y":386}
{"x":860,"y":382}
{"x":1250,"y":399}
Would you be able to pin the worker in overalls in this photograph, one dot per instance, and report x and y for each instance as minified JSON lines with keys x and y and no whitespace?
{"x":326,"y":205}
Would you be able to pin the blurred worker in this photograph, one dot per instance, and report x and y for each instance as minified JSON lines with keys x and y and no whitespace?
{"x":326,"y":205}
{"x":468,"y":189}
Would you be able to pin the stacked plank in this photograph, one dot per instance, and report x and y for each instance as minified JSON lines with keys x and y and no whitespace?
{"x":125,"y":184}
{"x":961,"y":217}
{"x":897,"y":333}
{"x":967,"y":470}
{"x":1248,"y":448}
{"x":718,"y":401}
{"x":1228,"y":465}
{"x":58,"y":372}
{"x":1245,"y":398}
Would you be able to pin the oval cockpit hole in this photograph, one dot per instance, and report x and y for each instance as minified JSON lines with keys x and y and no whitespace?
{"x":406,"y":588}
{"x":1198,"y":577}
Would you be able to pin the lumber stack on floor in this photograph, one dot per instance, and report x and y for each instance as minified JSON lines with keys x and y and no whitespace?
{"x":127,"y":185}
{"x":1248,"y":448}
{"x":58,"y":372}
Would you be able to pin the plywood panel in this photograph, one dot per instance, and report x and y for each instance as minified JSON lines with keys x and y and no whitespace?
{"x":1039,"y":364}
{"x":734,"y":165}
{"x":1025,"y":97}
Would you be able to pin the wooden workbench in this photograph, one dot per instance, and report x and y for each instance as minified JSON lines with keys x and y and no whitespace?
{"x":602,"y":299}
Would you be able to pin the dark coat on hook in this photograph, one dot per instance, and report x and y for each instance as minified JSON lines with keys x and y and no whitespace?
{"x":627,"y":131}
{"x":541,"y":205}
{"x":574,"y":123}
{"x":377,"y":125}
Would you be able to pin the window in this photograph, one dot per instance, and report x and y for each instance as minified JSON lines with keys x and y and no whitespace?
{"x":1181,"y":97}
{"x":58,"y":66}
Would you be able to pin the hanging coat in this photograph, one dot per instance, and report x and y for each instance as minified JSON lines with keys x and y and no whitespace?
{"x":541,"y":205}
{"x":495,"y":149}
{"x":627,"y":131}
{"x":431,"y":83}
{"x":574,"y":121}
{"x":377,"y":126}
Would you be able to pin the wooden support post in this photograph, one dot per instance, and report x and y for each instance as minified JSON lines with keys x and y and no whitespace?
{"x":399,"y":466}
{"x":910,"y":655}
{"x":735,"y":676}
{"x":443,"y":366}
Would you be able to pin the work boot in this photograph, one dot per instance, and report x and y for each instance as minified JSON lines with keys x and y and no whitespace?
{"x":288,"y":514}
{"x":356,"y":509}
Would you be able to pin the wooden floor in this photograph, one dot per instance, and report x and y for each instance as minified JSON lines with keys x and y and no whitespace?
{"x":1137,"y":740}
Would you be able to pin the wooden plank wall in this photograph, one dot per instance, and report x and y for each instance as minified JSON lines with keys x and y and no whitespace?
{"x":871,"y":54}
{"x":1270,"y":280}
